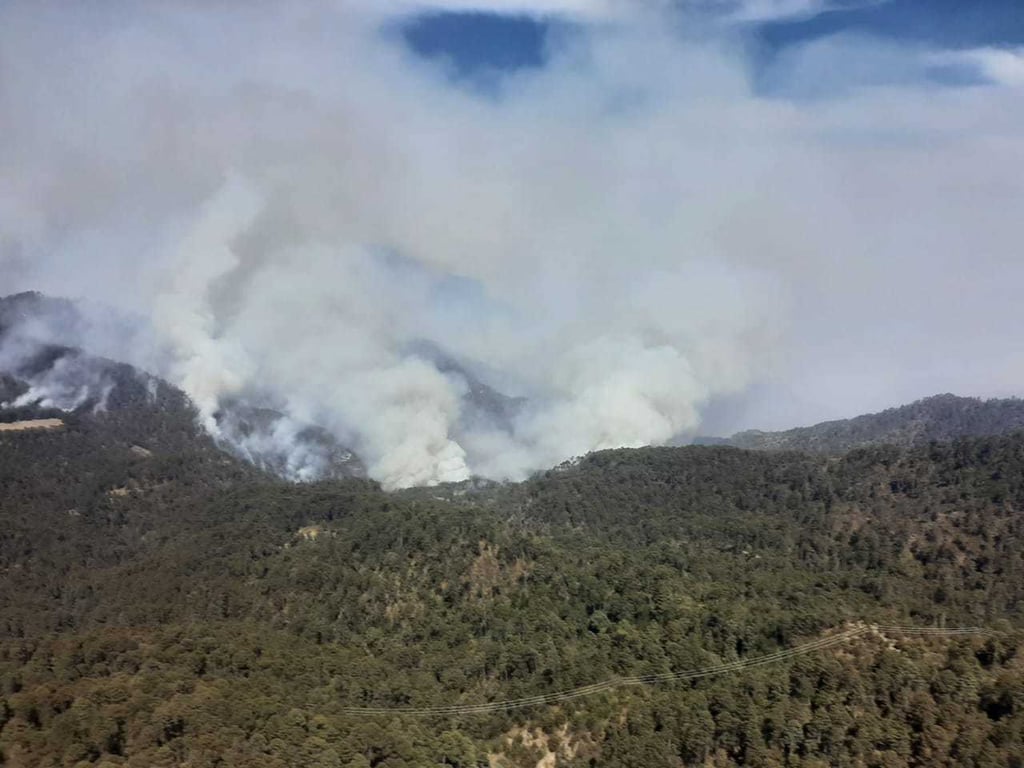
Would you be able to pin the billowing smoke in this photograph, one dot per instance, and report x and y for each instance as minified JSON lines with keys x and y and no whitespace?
{"x":449,"y":281}
{"x":68,"y":385}
{"x":340,"y":334}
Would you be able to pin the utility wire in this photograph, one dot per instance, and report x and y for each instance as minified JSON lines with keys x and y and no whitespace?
{"x":555,"y":697}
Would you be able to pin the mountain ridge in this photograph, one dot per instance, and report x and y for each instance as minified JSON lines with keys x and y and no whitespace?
{"x":937,"y":418}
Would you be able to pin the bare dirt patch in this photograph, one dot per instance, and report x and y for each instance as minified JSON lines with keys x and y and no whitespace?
{"x":33,"y":424}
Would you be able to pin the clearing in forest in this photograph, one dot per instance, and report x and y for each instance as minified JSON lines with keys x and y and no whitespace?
{"x":25,"y":426}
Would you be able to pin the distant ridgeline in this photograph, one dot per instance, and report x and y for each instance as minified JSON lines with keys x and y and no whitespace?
{"x":938,"y":418}
{"x":46,"y":382}
{"x":43,"y":367}
{"x":43,"y":379}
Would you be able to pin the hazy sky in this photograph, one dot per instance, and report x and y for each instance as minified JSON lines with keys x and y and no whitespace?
{"x":648,"y":217}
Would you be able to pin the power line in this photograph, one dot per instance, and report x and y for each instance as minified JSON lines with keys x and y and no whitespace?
{"x":556,"y":697}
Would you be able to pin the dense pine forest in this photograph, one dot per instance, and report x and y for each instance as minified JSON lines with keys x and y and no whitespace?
{"x":163,"y":604}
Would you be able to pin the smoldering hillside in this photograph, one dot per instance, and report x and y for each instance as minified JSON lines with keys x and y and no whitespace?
{"x":284,"y":209}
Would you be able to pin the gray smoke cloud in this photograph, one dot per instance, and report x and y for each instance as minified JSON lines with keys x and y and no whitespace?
{"x":68,"y":385}
{"x":300,"y":210}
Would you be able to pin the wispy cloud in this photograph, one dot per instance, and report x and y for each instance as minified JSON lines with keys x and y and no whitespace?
{"x":1002,"y":66}
{"x":770,"y":10}
{"x":574,"y":9}
{"x":726,"y":10}
{"x":773,"y":10}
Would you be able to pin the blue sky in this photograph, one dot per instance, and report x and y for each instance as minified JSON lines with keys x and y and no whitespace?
{"x":948,"y":23}
{"x":482,"y":45}
{"x":479,"y":42}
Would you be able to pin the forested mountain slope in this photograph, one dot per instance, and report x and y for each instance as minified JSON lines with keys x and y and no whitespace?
{"x":178,"y":607}
{"x":38,"y":375}
{"x":942,"y":417}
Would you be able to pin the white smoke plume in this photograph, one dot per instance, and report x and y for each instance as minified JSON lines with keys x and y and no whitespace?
{"x":63,"y":380}
{"x":300,"y":208}
{"x":68,"y":385}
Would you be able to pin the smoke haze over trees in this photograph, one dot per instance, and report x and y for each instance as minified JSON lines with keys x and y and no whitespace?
{"x":340,"y":342}
{"x":165,"y":604}
{"x":288,"y":204}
